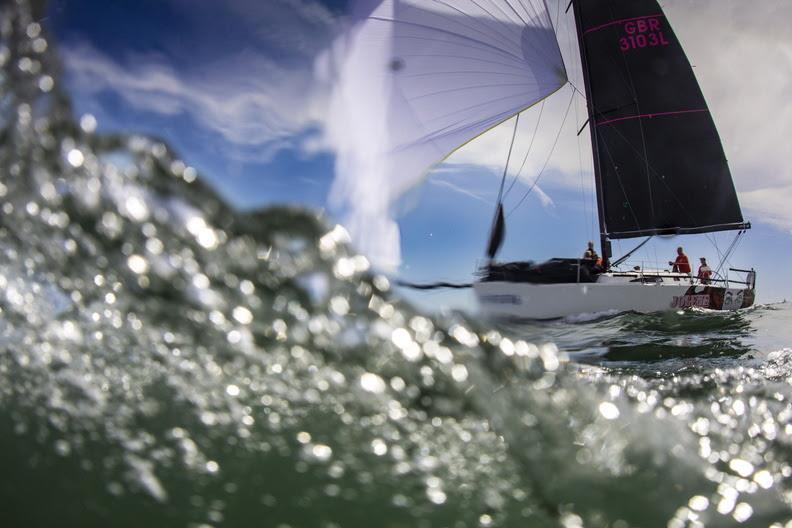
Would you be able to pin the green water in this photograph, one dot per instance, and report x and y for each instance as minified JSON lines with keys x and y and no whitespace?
{"x":168,"y":361}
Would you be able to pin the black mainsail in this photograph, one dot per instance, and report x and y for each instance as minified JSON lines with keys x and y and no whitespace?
{"x":659,"y":162}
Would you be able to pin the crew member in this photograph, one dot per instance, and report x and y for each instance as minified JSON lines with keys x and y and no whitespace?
{"x":681,"y":264}
{"x":590,"y":253}
{"x":704,"y":272}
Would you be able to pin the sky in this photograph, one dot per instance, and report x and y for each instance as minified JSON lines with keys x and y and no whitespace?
{"x":240,"y":89}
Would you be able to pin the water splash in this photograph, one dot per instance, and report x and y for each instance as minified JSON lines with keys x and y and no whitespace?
{"x":166,"y":359}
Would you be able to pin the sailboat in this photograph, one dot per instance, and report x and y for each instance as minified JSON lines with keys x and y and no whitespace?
{"x":445,"y":72}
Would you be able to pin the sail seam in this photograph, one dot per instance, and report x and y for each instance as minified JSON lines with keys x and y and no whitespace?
{"x":656,"y":114}
{"x":620,"y":21}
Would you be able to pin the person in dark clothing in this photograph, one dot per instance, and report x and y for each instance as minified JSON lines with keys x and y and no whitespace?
{"x":590,"y":253}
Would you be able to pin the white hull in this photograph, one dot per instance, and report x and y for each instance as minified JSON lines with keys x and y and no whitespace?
{"x":522,"y":300}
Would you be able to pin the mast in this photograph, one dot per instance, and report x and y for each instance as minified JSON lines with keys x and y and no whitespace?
{"x":604,"y":242}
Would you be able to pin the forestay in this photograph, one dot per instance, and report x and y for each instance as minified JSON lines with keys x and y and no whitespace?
{"x":416,"y":80}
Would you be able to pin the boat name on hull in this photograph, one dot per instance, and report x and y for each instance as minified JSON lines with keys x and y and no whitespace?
{"x":688,"y":301}
{"x":715,"y":298}
{"x":501,"y":299}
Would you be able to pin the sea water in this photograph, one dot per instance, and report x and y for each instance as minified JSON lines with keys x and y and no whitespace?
{"x":168,"y":361}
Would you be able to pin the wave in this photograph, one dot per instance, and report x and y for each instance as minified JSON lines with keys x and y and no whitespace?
{"x":166,"y":359}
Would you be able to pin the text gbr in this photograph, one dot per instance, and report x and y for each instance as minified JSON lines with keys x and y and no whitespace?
{"x":642,"y":33}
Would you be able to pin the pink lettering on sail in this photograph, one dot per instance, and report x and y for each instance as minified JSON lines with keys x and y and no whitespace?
{"x":625,"y":20}
{"x":642,"y":33}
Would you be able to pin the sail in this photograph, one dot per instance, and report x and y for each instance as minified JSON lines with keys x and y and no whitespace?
{"x":659,"y":160}
{"x":497,"y":233}
{"x":416,"y":80}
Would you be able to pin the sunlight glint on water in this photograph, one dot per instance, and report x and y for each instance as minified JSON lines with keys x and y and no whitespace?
{"x":168,"y":360}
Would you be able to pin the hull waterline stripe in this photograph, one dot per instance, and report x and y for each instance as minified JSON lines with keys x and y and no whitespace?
{"x":621,"y":21}
{"x":658,"y":114}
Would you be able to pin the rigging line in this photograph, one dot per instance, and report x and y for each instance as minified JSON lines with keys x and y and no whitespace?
{"x":577,"y":89}
{"x":589,"y":228}
{"x":530,"y":145}
{"x":619,"y":181}
{"x":628,"y":255}
{"x":587,"y":211}
{"x":655,"y":173}
{"x":508,"y":158}
{"x":657,"y":261}
{"x":737,"y":245}
{"x":729,"y":251}
{"x":714,"y":240}
{"x":536,"y":128}
{"x":550,"y":155}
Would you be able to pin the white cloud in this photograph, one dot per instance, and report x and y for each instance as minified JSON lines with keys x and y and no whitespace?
{"x":773,"y":203}
{"x":456,"y":188}
{"x":544,"y":199}
{"x":259,"y":97}
{"x":248,"y":99}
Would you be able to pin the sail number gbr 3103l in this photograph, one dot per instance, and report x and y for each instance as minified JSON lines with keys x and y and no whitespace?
{"x":642,"y":33}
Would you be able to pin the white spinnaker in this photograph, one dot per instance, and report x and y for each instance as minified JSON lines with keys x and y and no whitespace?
{"x":417,"y":79}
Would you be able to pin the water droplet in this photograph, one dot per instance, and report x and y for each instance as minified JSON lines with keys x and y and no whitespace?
{"x":372,"y":383}
{"x":459,"y":373}
{"x":608,"y":410}
{"x":88,"y":123}
{"x":137,"y":264}
{"x":46,"y":83}
{"x":742,"y":512}
{"x":379,"y":447}
{"x":339,"y":305}
{"x":75,"y":158}
{"x":698,"y":503}
{"x":741,"y":467}
{"x":136,"y":208}
{"x":243,"y":315}
{"x":322,"y":452}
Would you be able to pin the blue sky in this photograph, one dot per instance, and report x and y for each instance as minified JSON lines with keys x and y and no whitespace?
{"x":233,"y":87}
